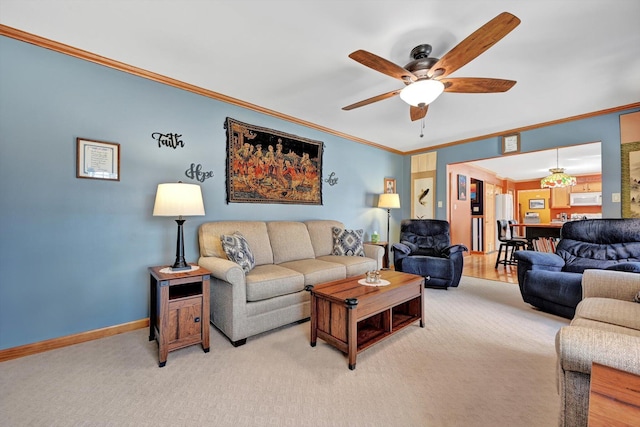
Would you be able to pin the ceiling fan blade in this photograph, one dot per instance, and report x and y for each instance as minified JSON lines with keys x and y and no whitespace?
{"x":381,"y":65}
{"x":476,"y":85}
{"x":417,"y":113}
{"x":372,"y":100}
{"x":478,"y":42}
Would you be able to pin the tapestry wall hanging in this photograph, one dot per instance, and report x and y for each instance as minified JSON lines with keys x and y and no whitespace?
{"x":630,"y":169}
{"x":268,"y":166}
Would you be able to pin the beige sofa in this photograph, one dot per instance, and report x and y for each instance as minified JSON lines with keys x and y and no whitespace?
{"x":606,"y":330}
{"x":288,"y":256}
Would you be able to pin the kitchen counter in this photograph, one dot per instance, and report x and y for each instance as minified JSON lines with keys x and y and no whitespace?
{"x":535,"y":231}
{"x":544,"y":225}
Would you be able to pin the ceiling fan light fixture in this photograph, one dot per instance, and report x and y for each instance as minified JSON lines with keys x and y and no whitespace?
{"x":422,"y":92}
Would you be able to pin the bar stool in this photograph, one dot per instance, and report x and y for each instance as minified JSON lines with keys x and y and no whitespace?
{"x":506,"y":242}
{"x":515,"y":235}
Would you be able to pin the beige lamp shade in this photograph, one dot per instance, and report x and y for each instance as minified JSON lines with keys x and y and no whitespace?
{"x":178,"y":199}
{"x":389,"y":201}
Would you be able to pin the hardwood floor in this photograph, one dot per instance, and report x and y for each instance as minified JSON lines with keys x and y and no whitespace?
{"x":482,"y":266}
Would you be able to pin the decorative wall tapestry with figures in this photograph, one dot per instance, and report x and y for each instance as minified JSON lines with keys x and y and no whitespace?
{"x":268,"y":166}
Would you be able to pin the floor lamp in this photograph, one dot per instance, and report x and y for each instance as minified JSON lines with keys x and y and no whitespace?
{"x":178,"y":199}
{"x":389,"y":201}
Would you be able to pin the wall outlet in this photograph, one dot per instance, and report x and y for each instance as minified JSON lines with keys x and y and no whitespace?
{"x":439,"y":203}
{"x":615,"y":197}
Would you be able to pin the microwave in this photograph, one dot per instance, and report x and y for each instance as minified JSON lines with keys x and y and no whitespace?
{"x":586,"y":199}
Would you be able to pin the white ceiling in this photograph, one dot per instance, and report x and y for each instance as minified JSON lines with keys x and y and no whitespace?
{"x":569,"y":57}
{"x":581,"y":159}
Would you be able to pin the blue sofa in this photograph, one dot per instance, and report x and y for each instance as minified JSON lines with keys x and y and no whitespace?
{"x":552,"y":282}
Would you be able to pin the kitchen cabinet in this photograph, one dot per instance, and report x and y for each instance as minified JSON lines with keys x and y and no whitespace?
{"x":560,"y":198}
{"x":587,"y":187}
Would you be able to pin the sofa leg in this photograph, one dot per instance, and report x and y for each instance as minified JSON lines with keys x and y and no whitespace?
{"x":239,"y":342}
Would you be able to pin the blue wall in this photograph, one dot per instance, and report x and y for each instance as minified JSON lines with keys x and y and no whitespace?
{"x":74,"y":252}
{"x":603,"y":128}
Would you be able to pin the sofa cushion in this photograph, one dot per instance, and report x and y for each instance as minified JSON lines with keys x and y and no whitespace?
{"x":347,"y":242}
{"x":289,"y":241}
{"x":355,"y":265}
{"x":317,"y":271}
{"x":608,"y":310}
{"x":255,"y":232}
{"x":321,"y":235}
{"x":269,"y":281}
{"x":602,"y":326}
{"x":599,"y":243}
{"x":238,"y":251}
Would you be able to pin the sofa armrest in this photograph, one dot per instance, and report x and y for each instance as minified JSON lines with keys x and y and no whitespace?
{"x":540,"y":260}
{"x":455,"y":249}
{"x":610,"y":284}
{"x":374,"y":252}
{"x":578,"y":347}
{"x":223,"y":269}
{"x":534,"y":260}
{"x":401,"y":247}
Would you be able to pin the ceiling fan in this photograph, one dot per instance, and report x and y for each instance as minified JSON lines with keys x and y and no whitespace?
{"x":426,"y":78}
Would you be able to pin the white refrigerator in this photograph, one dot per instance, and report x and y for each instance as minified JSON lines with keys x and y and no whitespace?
{"x":504,"y":210}
{"x":504,"y":206}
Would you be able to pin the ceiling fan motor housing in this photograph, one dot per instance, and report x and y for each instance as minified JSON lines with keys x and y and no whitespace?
{"x":421,"y":63}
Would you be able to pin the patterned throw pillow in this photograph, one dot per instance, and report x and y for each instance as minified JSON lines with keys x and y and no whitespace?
{"x":347,"y":242}
{"x":238,"y":251}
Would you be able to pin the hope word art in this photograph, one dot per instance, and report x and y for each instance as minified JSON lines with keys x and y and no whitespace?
{"x":195,"y":172}
{"x":168,"y":140}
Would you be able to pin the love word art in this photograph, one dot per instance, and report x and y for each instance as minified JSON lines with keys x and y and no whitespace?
{"x":332,"y":180}
{"x":195,"y":172}
{"x":168,"y":140}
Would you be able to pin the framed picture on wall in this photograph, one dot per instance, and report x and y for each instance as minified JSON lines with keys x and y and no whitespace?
{"x":536,"y":204}
{"x":462,"y":187}
{"x":97,"y":159}
{"x":389,"y":185}
{"x":423,"y":186}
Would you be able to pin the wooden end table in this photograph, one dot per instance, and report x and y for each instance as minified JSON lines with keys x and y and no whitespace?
{"x":614,"y":397}
{"x":352,"y":317}
{"x":178,"y":309}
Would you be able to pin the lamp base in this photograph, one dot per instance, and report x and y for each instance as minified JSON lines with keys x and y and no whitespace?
{"x":180,"y":263}
{"x":181,"y":267}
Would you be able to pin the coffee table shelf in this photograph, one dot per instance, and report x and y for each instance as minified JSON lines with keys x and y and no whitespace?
{"x":343,"y":310}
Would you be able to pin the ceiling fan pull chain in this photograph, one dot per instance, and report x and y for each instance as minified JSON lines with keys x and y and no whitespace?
{"x":422,"y":128}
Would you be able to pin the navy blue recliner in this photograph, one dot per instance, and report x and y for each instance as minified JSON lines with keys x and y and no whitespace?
{"x":552,"y":282}
{"x":425,"y":249}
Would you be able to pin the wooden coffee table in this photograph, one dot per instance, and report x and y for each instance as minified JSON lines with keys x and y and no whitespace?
{"x":352,"y":317}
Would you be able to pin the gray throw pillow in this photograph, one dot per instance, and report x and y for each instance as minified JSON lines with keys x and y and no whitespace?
{"x":238,"y":251}
{"x":347,"y":242}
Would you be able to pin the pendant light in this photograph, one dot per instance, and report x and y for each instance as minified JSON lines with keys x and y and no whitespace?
{"x":558,"y":178}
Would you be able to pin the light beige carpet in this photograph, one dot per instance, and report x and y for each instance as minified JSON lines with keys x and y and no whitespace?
{"x":484,"y":358}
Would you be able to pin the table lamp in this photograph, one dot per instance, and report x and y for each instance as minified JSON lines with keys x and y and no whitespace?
{"x":179,"y":199}
{"x":389,"y":201}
